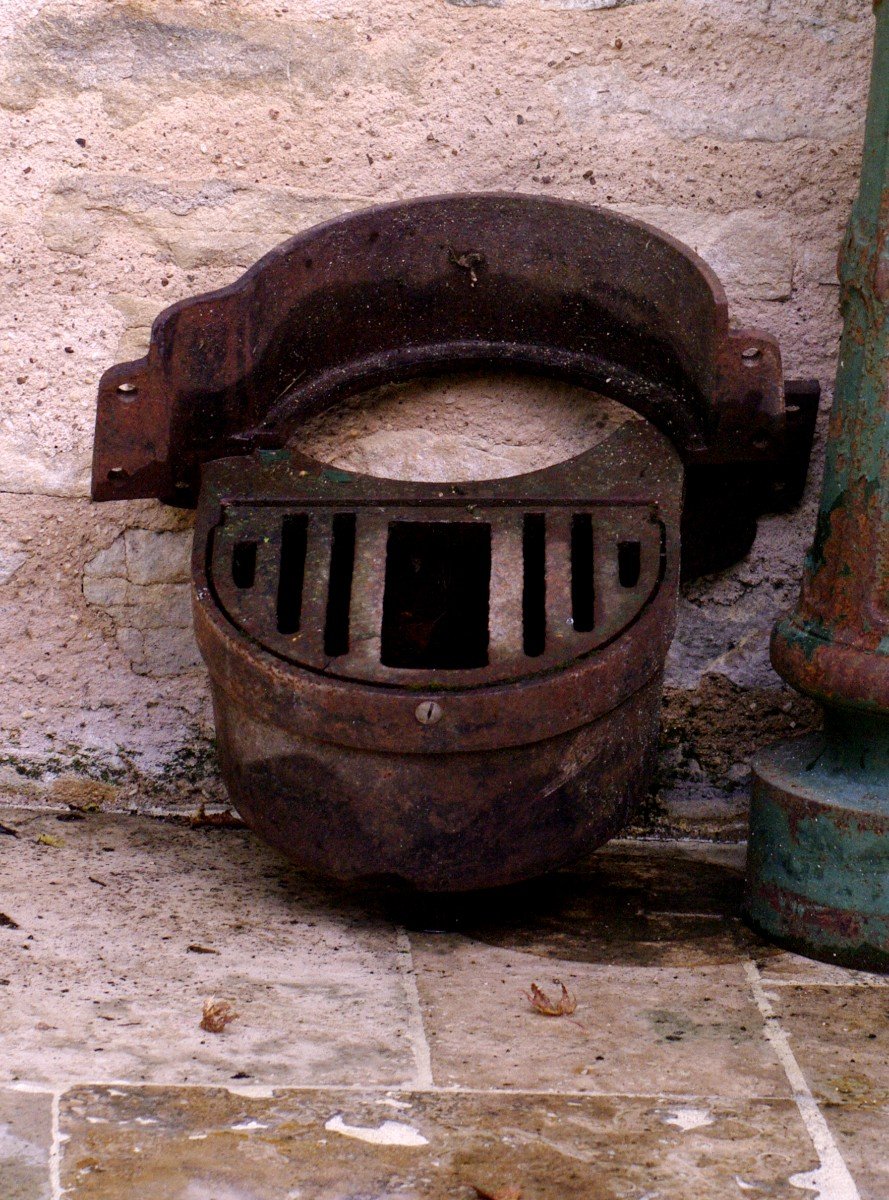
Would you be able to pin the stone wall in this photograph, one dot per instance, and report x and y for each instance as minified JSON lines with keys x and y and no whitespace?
{"x":155,"y":150}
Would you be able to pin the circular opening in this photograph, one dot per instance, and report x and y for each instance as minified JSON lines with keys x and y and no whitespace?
{"x":128,"y":390}
{"x":461,"y":426}
{"x":751,"y":355}
{"x":116,"y":474}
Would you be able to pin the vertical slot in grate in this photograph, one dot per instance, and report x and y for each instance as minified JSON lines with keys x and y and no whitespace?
{"x":291,"y":576}
{"x":436,"y":600}
{"x":582,"y":586}
{"x":244,"y":564}
{"x":629,"y":563}
{"x":339,"y":593}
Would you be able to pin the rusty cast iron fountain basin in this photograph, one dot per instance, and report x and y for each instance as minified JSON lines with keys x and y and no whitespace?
{"x":450,"y":685}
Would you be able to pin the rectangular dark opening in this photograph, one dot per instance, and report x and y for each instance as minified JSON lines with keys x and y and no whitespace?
{"x":534,"y":584}
{"x":629,"y":563}
{"x":582,"y":588}
{"x":437,"y":595}
{"x":339,"y":590}
{"x":291,"y":574}
{"x":244,"y":564}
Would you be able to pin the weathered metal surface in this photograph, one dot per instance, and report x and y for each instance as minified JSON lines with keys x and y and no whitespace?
{"x":438,"y":284}
{"x":440,"y":822}
{"x":452,"y":686}
{"x":831,"y":896}
{"x":817,"y":857}
{"x":531,"y":753}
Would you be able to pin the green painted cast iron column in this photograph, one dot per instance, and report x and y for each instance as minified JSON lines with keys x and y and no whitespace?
{"x":818,"y":858}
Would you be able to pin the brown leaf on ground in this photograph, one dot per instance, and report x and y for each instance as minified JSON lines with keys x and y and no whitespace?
{"x":196,"y":948}
{"x":49,"y":839}
{"x":219,"y":820}
{"x":8,"y":923}
{"x":508,"y":1193}
{"x":563,"y":1006}
{"x":8,"y":829}
{"x":217,"y":1014}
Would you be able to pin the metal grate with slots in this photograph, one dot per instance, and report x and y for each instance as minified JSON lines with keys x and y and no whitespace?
{"x":498,"y":593}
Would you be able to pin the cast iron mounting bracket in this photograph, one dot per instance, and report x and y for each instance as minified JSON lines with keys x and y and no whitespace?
{"x":467,"y":281}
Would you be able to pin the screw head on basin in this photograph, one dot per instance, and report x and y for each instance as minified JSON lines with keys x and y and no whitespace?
{"x":428,"y":712}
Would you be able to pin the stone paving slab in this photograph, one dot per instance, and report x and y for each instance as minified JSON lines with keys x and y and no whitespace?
{"x":25,"y":1145}
{"x":783,"y":969}
{"x":100,"y":983}
{"x":683,"y":1032}
{"x":171,"y":1144}
{"x":839,"y":1037}
{"x":651,"y":947}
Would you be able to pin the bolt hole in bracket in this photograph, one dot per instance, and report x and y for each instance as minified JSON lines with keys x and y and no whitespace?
{"x":451,"y":686}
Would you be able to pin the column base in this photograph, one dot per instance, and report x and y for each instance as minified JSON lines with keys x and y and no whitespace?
{"x":818,"y":854}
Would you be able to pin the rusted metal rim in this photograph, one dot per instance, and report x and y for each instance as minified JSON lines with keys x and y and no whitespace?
{"x":377,"y":718}
{"x":431,"y":285}
{"x":829,"y":670}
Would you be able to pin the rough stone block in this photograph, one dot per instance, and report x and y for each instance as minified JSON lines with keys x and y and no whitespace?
{"x":105,"y":591}
{"x":161,"y":653}
{"x":157,"y":557}
{"x":192,"y":224}
{"x":141,"y":581}
{"x":110,"y":563}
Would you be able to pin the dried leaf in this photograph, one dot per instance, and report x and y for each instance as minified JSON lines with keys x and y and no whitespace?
{"x":195,"y":948}
{"x":8,"y":829}
{"x":563,"y":1006}
{"x":7,"y":922}
{"x":217,"y":1014}
{"x":49,"y":839}
{"x":218,"y":820}
{"x":508,"y":1193}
